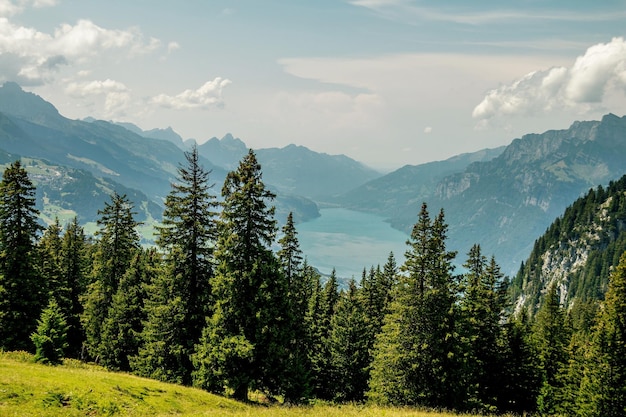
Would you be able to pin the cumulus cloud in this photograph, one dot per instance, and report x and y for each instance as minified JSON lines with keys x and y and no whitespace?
{"x":31,"y":57}
{"x":117,"y":97}
{"x":208,"y":95}
{"x":10,"y":7}
{"x":586,"y":83}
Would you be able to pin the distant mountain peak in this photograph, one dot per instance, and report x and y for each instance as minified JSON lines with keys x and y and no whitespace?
{"x":29,"y":106}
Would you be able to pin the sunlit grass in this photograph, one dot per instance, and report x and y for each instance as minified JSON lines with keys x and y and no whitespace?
{"x":77,"y":389}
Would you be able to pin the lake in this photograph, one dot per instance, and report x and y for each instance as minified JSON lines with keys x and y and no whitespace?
{"x":348,"y":241}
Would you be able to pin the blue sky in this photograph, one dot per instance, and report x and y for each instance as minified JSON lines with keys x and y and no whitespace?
{"x":387,"y":82}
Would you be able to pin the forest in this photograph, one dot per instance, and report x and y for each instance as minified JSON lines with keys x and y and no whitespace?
{"x":227,"y":302}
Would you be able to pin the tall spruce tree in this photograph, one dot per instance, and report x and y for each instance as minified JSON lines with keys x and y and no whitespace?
{"x":552,"y":336}
{"x":297,"y":376}
{"x":602,"y":390}
{"x":117,"y":245}
{"x":482,"y":306}
{"x":188,"y":238}
{"x":23,"y":291}
{"x":74,"y":264}
{"x":349,"y":346}
{"x":415,"y":359}
{"x":245,"y":343}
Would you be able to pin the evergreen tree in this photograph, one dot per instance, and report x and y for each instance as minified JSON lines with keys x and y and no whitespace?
{"x":74,"y":263}
{"x":552,"y":336}
{"x":117,"y":245}
{"x":50,"y":264}
{"x":349,"y":346}
{"x":50,"y":339}
{"x":245,"y":344}
{"x":322,"y":309}
{"x":163,"y":353}
{"x":415,"y":359}
{"x":602,"y":390}
{"x":482,"y":306}
{"x":189,"y":223}
{"x":181,"y":295}
{"x":23,"y":292}
{"x":297,"y":376}
{"x":122,"y":328}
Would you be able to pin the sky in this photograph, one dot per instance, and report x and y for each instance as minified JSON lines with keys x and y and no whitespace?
{"x":386,"y":82}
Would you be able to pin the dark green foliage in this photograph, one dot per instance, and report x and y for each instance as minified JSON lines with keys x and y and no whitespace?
{"x":349,"y":346}
{"x":246,"y":342}
{"x":602,"y":388}
{"x":74,"y":263}
{"x":124,"y":322}
{"x":180,"y":296}
{"x":552,"y":337}
{"x":23,"y":292}
{"x":50,"y":339}
{"x":416,"y":354}
{"x":481,"y":327}
{"x":117,"y":245}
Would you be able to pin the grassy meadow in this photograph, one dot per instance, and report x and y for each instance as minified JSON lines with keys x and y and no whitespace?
{"x":78,"y":389}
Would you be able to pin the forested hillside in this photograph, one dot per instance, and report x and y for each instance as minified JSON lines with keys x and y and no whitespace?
{"x":226,"y":302}
{"x":577,"y":252}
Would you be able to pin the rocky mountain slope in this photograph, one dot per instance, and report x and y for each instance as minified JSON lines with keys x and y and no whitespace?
{"x":577,"y":252}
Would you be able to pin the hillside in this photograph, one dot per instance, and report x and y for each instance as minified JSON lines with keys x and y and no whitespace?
{"x":505,"y":202}
{"x":577,"y":252}
{"x":77,"y":389}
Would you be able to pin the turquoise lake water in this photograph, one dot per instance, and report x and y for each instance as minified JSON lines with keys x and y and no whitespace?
{"x":348,"y":241}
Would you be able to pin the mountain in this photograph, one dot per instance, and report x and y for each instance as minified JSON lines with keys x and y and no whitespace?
{"x":505,"y":202}
{"x":399,"y":190}
{"x":166,"y":134}
{"x":577,"y":252}
{"x":298,"y":170}
{"x":225,"y":152}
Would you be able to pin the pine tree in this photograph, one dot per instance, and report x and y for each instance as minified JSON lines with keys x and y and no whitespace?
{"x":415,"y":359}
{"x":74,"y":264}
{"x":482,"y":306}
{"x":189,"y":223}
{"x":122,"y":328}
{"x":245,"y":344}
{"x":50,"y":339}
{"x":297,"y":376}
{"x":187,"y":237}
{"x":117,"y":245}
{"x":602,"y":389}
{"x":552,"y":337}
{"x":49,"y":247}
{"x":23,"y":292}
{"x":349,"y":346}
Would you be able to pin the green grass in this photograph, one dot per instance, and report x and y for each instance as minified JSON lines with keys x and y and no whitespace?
{"x":77,"y":389}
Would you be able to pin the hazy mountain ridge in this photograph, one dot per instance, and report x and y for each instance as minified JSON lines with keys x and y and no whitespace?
{"x":577,"y":252}
{"x":503,"y":202}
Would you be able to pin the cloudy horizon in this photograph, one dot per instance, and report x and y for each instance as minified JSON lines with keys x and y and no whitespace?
{"x":386,"y":82}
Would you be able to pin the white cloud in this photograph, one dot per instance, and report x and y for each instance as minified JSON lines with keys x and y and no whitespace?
{"x":587,"y":83}
{"x":428,"y":130}
{"x":10,"y":8}
{"x":31,"y":57}
{"x":117,"y":97}
{"x":208,"y":95}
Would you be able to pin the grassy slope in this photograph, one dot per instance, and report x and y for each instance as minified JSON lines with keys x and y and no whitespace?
{"x":76,"y":389}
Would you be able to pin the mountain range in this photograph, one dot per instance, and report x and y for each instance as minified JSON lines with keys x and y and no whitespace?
{"x":501,"y":198}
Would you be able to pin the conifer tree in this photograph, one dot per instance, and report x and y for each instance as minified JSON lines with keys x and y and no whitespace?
{"x":349,"y":346}
{"x":245,"y":343}
{"x":74,"y":264}
{"x":117,"y":245}
{"x":188,"y":237}
{"x":50,"y":264}
{"x":297,"y":376}
{"x":23,"y":292}
{"x":122,"y":328}
{"x":602,"y":389}
{"x":552,"y":337}
{"x":415,"y":359}
{"x":50,"y":339}
{"x":189,"y":223}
